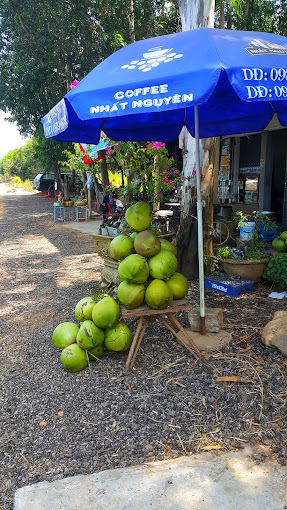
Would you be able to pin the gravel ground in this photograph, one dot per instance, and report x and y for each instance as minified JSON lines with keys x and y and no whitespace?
{"x":56,"y":424}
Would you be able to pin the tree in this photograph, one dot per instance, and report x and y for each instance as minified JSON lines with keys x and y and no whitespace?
{"x":22,"y":162}
{"x":195,"y":14}
{"x":45,"y":45}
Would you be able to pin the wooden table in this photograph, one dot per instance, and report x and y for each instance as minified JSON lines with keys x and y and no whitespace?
{"x":145,"y":315}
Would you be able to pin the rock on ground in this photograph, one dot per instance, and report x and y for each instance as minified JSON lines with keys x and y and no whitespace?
{"x":274,"y":334}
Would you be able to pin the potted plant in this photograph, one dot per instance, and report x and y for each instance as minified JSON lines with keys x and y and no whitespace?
{"x":248,"y":262}
{"x":247,"y":228}
{"x":267,"y":228}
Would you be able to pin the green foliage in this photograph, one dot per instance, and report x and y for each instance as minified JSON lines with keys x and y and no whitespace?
{"x":254,"y":250}
{"x":23,"y":185}
{"x":74,"y":159}
{"x":276,"y":270}
{"x":45,"y":45}
{"x":254,"y":255}
{"x":152,"y":171}
{"x":23,"y":162}
{"x":224,"y":253}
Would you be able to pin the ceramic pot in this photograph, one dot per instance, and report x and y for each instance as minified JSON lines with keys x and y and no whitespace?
{"x":247,"y":269}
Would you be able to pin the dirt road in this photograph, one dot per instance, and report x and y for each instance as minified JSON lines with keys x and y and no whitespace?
{"x":55,"y":424}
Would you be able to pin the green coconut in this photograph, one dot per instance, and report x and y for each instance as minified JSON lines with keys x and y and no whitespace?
{"x":106,"y":313}
{"x":147,"y":243}
{"x":133,"y":235}
{"x":166,"y":245}
{"x":96,"y":353}
{"x":131,"y":294}
{"x":163,"y":265}
{"x":178,"y":284}
{"x":158,"y":295}
{"x":139,"y":216}
{"x":84,"y":308}
{"x":118,"y":338}
{"x":134,"y":268}
{"x":121,"y":246}
{"x":279,"y":245}
{"x":73,"y":358}
{"x":283,"y":235}
{"x":89,"y":335}
{"x":65,"y":334}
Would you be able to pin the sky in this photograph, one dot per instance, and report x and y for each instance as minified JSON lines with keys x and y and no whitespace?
{"x":10,"y":137}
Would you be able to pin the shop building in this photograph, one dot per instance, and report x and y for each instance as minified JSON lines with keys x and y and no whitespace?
{"x":253,"y":172}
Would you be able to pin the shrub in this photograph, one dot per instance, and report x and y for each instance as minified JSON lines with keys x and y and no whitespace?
{"x":276,"y":270}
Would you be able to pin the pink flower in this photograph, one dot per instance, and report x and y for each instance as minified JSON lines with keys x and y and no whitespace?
{"x":165,"y":173}
{"x":175,"y":193}
{"x":165,"y":180}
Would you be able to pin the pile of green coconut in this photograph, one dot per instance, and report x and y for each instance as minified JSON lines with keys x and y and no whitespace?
{"x":147,"y":263}
{"x":99,"y":326}
{"x":147,"y":268}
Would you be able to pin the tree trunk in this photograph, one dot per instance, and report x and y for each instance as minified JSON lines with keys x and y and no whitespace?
{"x":245,"y":14}
{"x":132,"y":22}
{"x":84,"y":179}
{"x":57,"y":175}
{"x":104,"y":171}
{"x":89,"y":203}
{"x":198,"y":13}
{"x":221,"y":14}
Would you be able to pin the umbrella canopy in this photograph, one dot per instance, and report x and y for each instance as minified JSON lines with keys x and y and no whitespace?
{"x":147,"y":90}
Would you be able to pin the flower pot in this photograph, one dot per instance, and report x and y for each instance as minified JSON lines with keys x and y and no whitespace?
{"x":247,"y":230}
{"x":247,"y":269}
{"x":102,"y":245}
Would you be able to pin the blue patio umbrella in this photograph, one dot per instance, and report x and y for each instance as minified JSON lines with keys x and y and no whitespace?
{"x":214,"y":82}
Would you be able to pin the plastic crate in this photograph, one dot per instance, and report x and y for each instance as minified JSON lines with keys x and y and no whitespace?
{"x":267,"y":235}
{"x":229,"y":287}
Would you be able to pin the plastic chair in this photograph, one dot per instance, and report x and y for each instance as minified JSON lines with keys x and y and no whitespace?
{"x":56,"y":195}
{"x":47,"y":194}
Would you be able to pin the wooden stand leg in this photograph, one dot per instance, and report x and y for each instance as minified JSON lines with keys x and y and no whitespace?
{"x":136,"y":343}
{"x":177,"y":324}
{"x":175,"y":333}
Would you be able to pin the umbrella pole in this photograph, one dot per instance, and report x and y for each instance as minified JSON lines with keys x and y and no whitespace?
{"x":199,"y":225}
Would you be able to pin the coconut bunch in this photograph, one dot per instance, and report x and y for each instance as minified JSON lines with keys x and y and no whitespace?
{"x":147,"y":264}
{"x":99,"y":326}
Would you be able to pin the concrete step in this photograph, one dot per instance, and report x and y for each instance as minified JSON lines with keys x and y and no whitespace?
{"x":237,"y":480}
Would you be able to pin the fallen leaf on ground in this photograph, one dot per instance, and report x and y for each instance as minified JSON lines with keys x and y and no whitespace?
{"x":212,"y":447}
{"x":232,"y":378}
{"x":128,"y":385}
{"x":42,"y":423}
